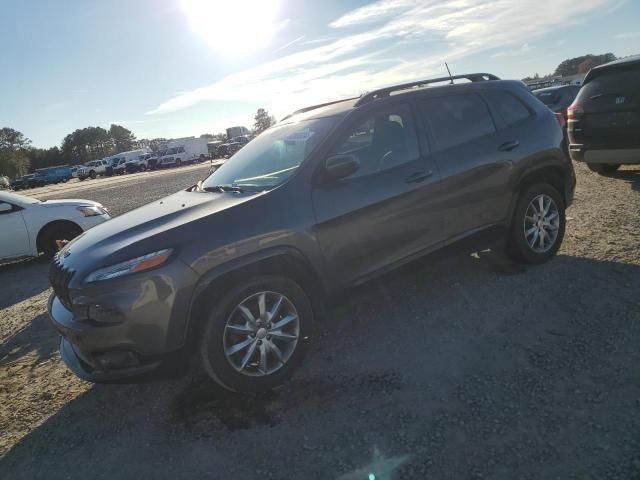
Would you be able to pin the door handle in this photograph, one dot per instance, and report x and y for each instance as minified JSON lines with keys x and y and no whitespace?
{"x":418,"y":177}
{"x":508,"y":146}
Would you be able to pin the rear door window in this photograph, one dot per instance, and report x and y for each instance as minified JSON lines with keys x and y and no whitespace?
{"x":508,"y":106}
{"x":454,"y":120}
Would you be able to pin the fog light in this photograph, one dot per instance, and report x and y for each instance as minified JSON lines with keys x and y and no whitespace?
{"x":116,"y":359}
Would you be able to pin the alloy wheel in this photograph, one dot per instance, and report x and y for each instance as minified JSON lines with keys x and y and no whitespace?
{"x":261,"y":334}
{"x":541,"y":223}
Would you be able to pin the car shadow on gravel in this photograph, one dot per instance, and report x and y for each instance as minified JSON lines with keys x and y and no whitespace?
{"x":628,"y":175}
{"x":463,"y":367}
{"x":22,"y":279}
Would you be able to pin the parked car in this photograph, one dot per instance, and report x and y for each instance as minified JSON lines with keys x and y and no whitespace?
{"x":118,"y":165}
{"x":47,"y":176}
{"x":5,"y":183}
{"x":604,"y":119}
{"x":29,"y":226}
{"x":24,"y":182}
{"x":558,"y":98}
{"x":328,"y":198}
{"x":141,"y":163}
{"x":94,"y":168}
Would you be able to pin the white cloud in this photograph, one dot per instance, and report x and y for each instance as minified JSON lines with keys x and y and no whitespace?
{"x":628,"y":35}
{"x":410,"y":40}
{"x":517,"y":52}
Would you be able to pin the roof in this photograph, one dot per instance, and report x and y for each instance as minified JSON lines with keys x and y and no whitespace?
{"x":341,"y":107}
{"x":620,"y":63}
{"x":633,"y":59}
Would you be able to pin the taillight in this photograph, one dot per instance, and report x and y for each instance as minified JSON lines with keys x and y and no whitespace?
{"x":574,"y":111}
{"x":561,"y":120}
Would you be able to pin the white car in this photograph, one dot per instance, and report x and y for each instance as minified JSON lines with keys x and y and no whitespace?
{"x":93,"y":169}
{"x":29,"y":226}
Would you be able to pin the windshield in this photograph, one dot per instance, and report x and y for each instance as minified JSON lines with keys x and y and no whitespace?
{"x":271,"y":158}
{"x":171,"y":151}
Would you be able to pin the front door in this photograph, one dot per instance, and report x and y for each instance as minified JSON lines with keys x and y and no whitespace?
{"x":14,"y":237}
{"x":386,"y":211}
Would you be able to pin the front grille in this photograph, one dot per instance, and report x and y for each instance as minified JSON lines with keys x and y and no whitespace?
{"x":60,"y":277}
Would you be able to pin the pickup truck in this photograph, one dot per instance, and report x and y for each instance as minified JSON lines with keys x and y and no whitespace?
{"x":94,"y":168}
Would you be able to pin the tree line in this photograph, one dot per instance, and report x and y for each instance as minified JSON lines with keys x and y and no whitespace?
{"x":573,"y":66}
{"x":18,"y":156}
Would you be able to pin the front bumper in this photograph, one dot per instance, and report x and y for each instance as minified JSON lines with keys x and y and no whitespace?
{"x":92,"y":366}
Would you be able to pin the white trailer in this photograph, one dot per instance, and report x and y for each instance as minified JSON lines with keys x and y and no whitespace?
{"x":184,"y":150}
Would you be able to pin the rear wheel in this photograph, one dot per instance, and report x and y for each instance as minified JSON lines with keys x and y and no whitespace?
{"x":178,"y":162}
{"x":603,"y":168}
{"x":56,"y":235}
{"x":93,"y":174}
{"x":538,"y":225}
{"x":256,"y":334}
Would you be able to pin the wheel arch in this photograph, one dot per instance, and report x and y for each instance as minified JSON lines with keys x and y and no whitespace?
{"x":551,"y":174}
{"x":42,"y":233}
{"x":285,"y":261}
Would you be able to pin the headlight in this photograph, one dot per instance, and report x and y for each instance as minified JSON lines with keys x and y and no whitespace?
{"x":139,"y":264}
{"x":92,"y":211}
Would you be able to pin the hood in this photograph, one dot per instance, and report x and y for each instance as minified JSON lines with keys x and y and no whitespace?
{"x":158,"y":225}
{"x":71,"y":202}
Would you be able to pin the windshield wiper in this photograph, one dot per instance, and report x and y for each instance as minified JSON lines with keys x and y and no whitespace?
{"x":223,"y":188}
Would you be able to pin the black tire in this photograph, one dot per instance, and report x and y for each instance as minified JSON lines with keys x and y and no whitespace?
{"x":212,"y":350}
{"x":178,"y":162}
{"x":518,"y":247}
{"x":93,"y":174}
{"x":603,"y":168}
{"x":55,"y":233}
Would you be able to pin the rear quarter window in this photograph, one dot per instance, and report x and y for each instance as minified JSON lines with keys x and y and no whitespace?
{"x":510,"y":108}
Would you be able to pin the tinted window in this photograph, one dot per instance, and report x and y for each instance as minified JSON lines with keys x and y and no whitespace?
{"x":508,"y":107}
{"x":382,"y":140}
{"x":458,"y":119}
{"x":619,"y":81}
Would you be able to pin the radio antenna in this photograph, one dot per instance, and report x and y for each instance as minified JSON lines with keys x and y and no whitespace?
{"x":450,"y":76}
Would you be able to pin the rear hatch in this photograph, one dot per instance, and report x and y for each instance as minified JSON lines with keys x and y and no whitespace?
{"x":610,"y":103}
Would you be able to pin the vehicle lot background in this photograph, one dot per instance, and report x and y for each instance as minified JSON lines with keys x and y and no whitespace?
{"x":459,"y":366}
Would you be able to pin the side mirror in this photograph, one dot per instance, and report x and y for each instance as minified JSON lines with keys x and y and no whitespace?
{"x":5,"y":207}
{"x":340,"y":166}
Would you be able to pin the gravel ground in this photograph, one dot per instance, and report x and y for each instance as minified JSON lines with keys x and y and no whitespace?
{"x":457,"y":366}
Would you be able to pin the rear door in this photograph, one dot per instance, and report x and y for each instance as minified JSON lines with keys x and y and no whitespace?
{"x":475,"y":159}
{"x":388,"y":209}
{"x":611,"y":106}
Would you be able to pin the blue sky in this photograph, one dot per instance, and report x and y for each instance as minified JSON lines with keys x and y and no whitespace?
{"x":169,"y":68}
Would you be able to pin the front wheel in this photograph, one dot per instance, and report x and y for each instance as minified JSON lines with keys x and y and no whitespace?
{"x":93,"y":174}
{"x":603,"y":168}
{"x":57,"y":235}
{"x":256,"y":334}
{"x":538,"y":225}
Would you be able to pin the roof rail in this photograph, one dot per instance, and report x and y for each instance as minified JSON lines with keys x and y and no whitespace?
{"x":320,"y":105}
{"x":385,"y":92}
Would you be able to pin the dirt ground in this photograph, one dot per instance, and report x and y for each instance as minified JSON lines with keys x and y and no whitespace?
{"x":458,"y":366}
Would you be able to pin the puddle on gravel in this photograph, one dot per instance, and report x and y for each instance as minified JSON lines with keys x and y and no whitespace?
{"x":203,"y":408}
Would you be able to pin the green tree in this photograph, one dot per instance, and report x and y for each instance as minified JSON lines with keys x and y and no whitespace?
{"x":262,"y":121}
{"x":14,"y":159}
{"x":575,"y":65}
{"x":122,"y":138}
{"x":87,"y":144}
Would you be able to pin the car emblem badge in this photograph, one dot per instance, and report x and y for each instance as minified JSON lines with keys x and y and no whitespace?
{"x":619,"y":100}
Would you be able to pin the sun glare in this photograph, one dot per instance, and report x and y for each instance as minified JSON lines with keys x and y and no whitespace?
{"x":233,"y":27}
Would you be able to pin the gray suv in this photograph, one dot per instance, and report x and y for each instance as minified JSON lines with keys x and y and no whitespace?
{"x":235,"y":269}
